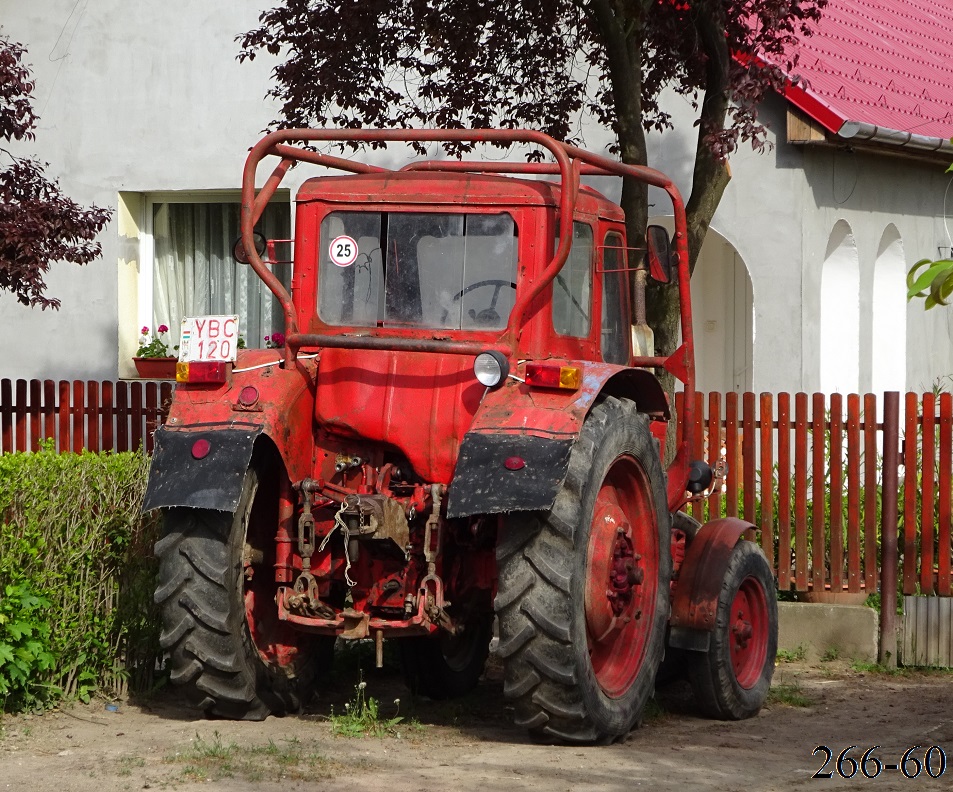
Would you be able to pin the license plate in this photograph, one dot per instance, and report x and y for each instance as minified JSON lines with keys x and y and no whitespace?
{"x":209,"y":338}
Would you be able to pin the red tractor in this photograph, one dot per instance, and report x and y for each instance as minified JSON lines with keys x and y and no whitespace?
{"x":463,"y":424}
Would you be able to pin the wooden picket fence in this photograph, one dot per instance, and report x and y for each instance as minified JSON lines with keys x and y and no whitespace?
{"x":788,"y":458}
{"x":808,"y":472}
{"x":99,"y":416}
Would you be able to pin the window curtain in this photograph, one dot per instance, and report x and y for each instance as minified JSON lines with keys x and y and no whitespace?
{"x":194,"y":273}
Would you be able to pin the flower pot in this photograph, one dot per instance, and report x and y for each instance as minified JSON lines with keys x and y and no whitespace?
{"x":155,"y":368}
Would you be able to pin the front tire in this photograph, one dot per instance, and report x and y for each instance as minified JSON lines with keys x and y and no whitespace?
{"x":731,"y":681}
{"x":212,"y":604}
{"x":583,"y":595}
{"x":445,"y":666}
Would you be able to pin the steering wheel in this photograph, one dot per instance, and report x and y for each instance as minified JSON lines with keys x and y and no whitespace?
{"x":488,"y":317}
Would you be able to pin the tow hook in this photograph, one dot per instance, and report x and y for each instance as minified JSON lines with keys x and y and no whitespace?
{"x":306,"y":600}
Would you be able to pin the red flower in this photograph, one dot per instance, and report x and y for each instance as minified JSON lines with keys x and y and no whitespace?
{"x":163,"y":329}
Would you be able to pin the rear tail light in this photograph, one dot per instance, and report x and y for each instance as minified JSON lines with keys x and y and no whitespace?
{"x":547,"y":375}
{"x":207,"y":372}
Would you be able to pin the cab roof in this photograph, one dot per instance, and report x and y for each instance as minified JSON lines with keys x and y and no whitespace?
{"x":474,"y":189}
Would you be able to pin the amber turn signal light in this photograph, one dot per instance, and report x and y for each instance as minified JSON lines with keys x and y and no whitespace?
{"x":547,"y":375}
{"x":201,"y":372}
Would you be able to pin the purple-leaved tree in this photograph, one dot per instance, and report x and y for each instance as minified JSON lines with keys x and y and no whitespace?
{"x":542,"y":65}
{"x":38,"y":223}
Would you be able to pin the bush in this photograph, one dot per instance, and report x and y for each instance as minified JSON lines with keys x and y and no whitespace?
{"x":77,"y":575}
{"x":25,"y":655}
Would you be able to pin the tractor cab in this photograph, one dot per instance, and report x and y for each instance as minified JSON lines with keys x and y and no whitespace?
{"x":444,"y":255}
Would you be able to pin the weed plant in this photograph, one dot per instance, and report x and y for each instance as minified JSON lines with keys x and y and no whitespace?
{"x":362,"y":716}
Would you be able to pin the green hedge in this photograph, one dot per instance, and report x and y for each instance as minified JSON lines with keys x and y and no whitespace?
{"x":76,"y":577}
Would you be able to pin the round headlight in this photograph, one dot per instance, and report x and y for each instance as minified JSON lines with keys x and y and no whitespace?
{"x":491,"y":368}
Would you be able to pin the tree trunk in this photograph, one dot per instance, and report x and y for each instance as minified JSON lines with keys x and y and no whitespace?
{"x":621,"y":29}
{"x":710,"y":178}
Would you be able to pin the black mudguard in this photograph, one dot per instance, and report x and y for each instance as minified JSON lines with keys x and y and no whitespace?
{"x":177,"y":478}
{"x":483,"y":484}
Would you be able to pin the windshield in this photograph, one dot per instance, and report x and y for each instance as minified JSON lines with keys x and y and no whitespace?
{"x":454,"y":271}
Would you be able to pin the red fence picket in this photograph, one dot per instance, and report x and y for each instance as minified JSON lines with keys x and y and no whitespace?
{"x":80,"y":415}
{"x":806,"y":470}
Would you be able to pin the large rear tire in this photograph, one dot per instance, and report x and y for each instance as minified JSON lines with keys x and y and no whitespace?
{"x":583,"y":595}
{"x":227,"y":649}
{"x":731,"y":681}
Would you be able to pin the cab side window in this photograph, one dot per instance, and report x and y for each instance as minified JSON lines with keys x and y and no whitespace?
{"x":572,"y":287}
{"x":615,"y":304}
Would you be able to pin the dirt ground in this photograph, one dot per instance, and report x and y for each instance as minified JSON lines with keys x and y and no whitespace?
{"x":470,"y":744}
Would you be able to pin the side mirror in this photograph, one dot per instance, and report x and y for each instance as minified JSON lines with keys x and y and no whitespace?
{"x":238,"y":249}
{"x":660,"y":259}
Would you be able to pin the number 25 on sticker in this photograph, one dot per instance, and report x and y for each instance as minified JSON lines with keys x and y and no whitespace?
{"x":343,"y":251}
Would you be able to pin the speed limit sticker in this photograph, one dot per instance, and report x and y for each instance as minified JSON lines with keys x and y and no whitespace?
{"x":343,"y":251}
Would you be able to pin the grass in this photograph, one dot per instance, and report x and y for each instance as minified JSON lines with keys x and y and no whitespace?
{"x":128,"y":763}
{"x":792,"y":655}
{"x":215,"y":759}
{"x":789,"y":695}
{"x":862,"y":667}
{"x":830,"y":654}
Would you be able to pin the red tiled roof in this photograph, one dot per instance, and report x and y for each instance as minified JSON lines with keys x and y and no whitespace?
{"x":888,"y":63}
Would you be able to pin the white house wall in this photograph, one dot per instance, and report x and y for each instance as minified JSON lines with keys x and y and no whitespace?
{"x":133,"y":97}
{"x":779,"y":213}
{"x":142,"y":98}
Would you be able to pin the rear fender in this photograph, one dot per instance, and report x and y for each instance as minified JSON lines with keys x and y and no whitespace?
{"x":695,"y":603}
{"x":182,"y":475}
{"x":516,"y":454}
{"x":203,"y":468}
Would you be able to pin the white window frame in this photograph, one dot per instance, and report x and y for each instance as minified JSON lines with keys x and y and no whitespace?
{"x":147,"y":239}
{"x":136,"y":264}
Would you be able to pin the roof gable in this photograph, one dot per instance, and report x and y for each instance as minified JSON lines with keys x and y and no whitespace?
{"x":879,"y":63}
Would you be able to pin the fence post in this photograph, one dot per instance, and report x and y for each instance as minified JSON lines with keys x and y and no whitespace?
{"x":888,"y":531}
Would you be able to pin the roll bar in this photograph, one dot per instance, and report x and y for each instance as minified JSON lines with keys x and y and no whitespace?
{"x":570,"y":163}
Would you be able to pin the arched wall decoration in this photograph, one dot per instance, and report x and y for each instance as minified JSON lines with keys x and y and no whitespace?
{"x":888,"y":364}
{"x":840,"y":313}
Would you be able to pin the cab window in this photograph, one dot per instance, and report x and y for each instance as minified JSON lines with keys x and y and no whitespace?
{"x":615,"y":313}
{"x":417,"y":269}
{"x":572,"y":287}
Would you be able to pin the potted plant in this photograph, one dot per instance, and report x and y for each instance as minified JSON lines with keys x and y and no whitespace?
{"x":152,"y":359}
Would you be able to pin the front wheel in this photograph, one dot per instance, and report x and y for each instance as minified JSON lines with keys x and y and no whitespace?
{"x":731,"y":681}
{"x":583,"y":594}
{"x":445,"y":666}
{"x":219,"y":622}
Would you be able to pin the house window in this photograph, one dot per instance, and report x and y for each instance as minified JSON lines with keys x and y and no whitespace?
{"x":572,"y":287}
{"x":188,"y":269}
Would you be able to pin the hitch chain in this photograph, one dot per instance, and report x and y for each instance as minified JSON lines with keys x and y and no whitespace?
{"x":435,"y":603}
{"x":306,"y":598}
